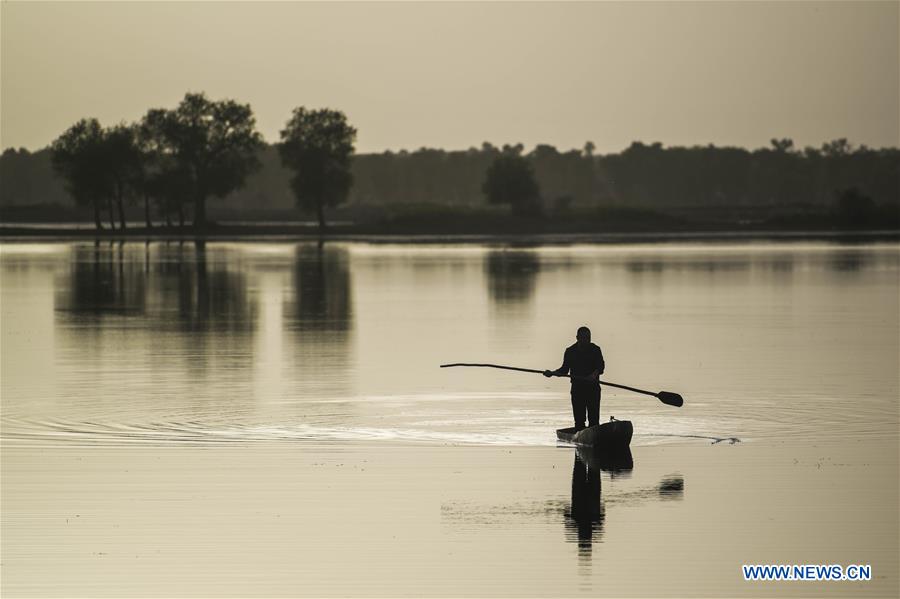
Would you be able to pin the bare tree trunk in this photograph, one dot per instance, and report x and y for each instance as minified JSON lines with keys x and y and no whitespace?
{"x":320,"y":210}
{"x":121,"y":212}
{"x":97,"y":222}
{"x":200,"y":212}
{"x":112,"y":213}
{"x":120,"y":204}
{"x":147,"y":211}
{"x":120,"y":192}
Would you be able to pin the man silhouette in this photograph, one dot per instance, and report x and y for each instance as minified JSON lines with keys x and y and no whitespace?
{"x":584,"y":362}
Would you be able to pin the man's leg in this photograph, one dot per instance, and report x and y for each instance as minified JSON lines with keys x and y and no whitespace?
{"x":578,"y":409}
{"x":593,"y":407}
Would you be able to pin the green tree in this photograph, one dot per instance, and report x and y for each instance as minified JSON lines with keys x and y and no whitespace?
{"x":317,"y":146}
{"x":216,"y":142}
{"x":510,"y":180}
{"x":77,"y":156}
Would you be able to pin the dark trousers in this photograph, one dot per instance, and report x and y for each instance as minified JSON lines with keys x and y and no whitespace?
{"x":586,"y":399}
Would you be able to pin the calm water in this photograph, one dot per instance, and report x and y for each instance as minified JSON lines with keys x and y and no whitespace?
{"x":230,"y":342}
{"x":269,"y":370}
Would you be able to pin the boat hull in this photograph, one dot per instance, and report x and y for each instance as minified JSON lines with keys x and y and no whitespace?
{"x":614,"y":435}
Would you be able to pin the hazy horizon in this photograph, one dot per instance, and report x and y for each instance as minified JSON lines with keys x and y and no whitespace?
{"x":452,"y":75}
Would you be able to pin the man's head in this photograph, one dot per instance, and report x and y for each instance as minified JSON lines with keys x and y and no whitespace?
{"x":583,"y":336}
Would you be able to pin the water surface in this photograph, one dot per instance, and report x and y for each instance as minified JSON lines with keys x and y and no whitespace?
{"x":223,"y":342}
{"x":198,"y":399}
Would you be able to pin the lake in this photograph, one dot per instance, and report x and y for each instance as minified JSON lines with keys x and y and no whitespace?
{"x":255,"y":418}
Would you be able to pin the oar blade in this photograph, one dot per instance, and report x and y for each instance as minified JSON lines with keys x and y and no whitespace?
{"x":671,"y":399}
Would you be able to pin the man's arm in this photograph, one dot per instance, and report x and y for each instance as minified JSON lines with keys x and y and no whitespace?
{"x":599,"y":366}
{"x":562,"y":370}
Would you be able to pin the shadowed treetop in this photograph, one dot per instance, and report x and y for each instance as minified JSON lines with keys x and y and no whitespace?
{"x":510,"y":180}
{"x":76,"y":155}
{"x":216,"y":140}
{"x":317,"y":146}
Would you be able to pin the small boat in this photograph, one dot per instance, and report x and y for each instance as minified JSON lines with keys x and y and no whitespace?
{"x":614,"y":435}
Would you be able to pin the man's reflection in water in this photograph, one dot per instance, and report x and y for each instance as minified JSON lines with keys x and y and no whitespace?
{"x":586,"y":514}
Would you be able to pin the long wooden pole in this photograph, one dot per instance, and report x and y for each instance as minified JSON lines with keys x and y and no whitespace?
{"x":667,"y":397}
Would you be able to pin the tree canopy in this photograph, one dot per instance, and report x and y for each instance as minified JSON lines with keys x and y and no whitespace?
{"x":98,"y":165}
{"x":163,"y":177}
{"x":510,"y":180}
{"x":122,"y":165}
{"x":317,"y":145}
{"x":216,"y":141}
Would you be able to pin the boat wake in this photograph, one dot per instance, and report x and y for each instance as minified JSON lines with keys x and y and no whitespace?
{"x":715,"y":440}
{"x":205,"y":433}
{"x":437,"y":419}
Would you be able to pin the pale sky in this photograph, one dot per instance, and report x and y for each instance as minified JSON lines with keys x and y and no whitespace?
{"x":453,"y":75}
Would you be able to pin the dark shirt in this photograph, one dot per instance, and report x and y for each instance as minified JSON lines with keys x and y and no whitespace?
{"x":582,"y":363}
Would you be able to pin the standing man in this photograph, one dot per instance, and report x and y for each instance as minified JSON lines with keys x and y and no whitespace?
{"x":584,"y":362}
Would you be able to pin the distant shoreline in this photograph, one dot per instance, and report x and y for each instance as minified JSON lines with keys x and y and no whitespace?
{"x":372,"y":234}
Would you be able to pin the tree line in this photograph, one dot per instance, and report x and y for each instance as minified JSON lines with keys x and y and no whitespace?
{"x":778,"y":178}
{"x":173,"y":161}
{"x":201,"y":149}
